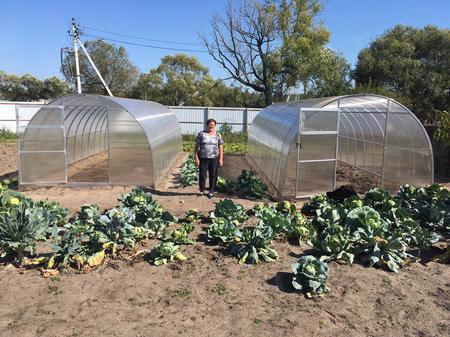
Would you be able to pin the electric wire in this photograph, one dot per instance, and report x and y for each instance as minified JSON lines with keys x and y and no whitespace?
{"x":144,"y":45}
{"x":139,"y":38}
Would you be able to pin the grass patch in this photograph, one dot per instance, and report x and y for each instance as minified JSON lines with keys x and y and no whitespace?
{"x":6,"y":135}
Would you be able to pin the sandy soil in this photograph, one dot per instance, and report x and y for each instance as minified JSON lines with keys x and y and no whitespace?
{"x":210,"y":294}
{"x":9,"y":161}
{"x":91,"y":169}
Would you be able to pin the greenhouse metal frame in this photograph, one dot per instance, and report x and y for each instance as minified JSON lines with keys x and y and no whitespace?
{"x":138,"y":139}
{"x":296,"y":145}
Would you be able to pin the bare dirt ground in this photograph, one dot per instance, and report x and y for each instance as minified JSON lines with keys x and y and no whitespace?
{"x":91,"y":169}
{"x":211,"y":294}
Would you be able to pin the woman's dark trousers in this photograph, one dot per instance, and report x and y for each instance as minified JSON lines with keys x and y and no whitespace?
{"x":208,"y":165}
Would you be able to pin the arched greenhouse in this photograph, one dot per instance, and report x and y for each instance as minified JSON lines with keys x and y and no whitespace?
{"x":296,"y":145}
{"x":98,"y":139}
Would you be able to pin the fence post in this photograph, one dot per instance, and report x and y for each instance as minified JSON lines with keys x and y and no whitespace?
{"x":245,"y":120}
{"x":206,"y":116}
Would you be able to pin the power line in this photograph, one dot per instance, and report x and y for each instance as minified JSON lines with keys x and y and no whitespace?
{"x":141,"y":38}
{"x":145,"y":45}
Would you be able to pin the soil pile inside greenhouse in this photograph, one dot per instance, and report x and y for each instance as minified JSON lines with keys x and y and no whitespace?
{"x":210,"y":294}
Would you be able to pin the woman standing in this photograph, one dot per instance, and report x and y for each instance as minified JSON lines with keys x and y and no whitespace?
{"x":208,"y":156}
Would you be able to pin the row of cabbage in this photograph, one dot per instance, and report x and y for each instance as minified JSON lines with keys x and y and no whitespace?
{"x":86,"y":239}
{"x":377,"y":229}
{"x":248,"y":184}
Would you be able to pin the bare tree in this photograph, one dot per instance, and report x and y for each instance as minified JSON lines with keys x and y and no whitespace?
{"x":265,"y":45}
{"x":243,"y":43}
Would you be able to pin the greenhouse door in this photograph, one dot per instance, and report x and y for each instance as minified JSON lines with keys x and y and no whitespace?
{"x":316,"y":151}
{"x":42,"y":145}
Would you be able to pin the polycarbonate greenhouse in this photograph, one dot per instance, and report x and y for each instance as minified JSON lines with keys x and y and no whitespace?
{"x":296,"y":145}
{"x":98,"y":139}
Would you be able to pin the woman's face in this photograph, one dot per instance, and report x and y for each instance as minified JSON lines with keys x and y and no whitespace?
{"x":211,"y":126}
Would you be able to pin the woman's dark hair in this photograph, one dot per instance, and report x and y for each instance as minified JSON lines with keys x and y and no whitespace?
{"x":211,"y":120}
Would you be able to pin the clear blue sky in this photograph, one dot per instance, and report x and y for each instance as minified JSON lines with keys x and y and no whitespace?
{"x":32,"y":32}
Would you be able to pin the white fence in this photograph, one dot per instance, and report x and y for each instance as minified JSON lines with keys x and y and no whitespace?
{"x":8,"y":117}
{"x":192,"y":118}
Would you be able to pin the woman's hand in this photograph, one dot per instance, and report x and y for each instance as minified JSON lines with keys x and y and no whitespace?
{"x":220,"y":162}
{"x":197,"y":161}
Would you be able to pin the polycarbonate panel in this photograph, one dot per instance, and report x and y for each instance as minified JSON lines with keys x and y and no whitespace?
{"x":399,"y":168}
{"x":405,"y":151}
{"x":130,"y":164}
{"x":424,"y":169}
{"x":42,"y":157}
{"x":315,"y":178}
{"x":319,"y":120}
{"x":48,"y":116}
{"x":41,"y":139}
{"x":23,"y":115}
{"x":126,"y":132}
{"x":378,"y":169}
{"x":369,"y":149}
{"x":360,"y":153}
{"x":42,"y":167}
{"x":315,"y":147}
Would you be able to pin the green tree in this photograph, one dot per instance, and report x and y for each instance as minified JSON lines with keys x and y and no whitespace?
{"x":113,"y":63}
{"x":269,"y":45}
{"x":413,"y":64}
{"x":10,"y":88}
{"x":54,"y":87}
{"x":179,"y":80}
{"x":29,"y":88}
{"x":183,"y":80}
{"x":235,"y":96}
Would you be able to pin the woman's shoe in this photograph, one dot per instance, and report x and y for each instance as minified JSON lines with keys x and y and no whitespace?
{"x":210,"y":195}
{"x":201,"y":193}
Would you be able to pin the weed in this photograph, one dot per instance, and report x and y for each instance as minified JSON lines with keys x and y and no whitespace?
{"x":220,"y":289}
{"x":182,"y":293}
{"x":52,"y":289}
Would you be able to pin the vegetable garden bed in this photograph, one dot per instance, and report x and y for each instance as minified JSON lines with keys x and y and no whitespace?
{"x":211,"y":293}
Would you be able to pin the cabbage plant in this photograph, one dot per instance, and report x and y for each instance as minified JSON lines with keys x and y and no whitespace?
{"x":335,"y":244}
{"x":229,"y":210}
{"x":59,"y":214}
{"x":316,"y":202}
{"x":181,"y":235}
{"x":118,"y":226}
{"x":189,"y":172}
{"x":223,"y":231}
{"x":144,"y":206}
{"x":254,"y":245}
{"x":310,"y":276}
{"x":79,"y":243}
{"x":366,"y":220}
{"x":279,"y":222}
{"x":389,"y":252}
{"x":20,"y":228}
{"x":286,"y":206}
{"x":165,"y":252}
{"x":301,"y":229}
{"x":251,"y":185}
